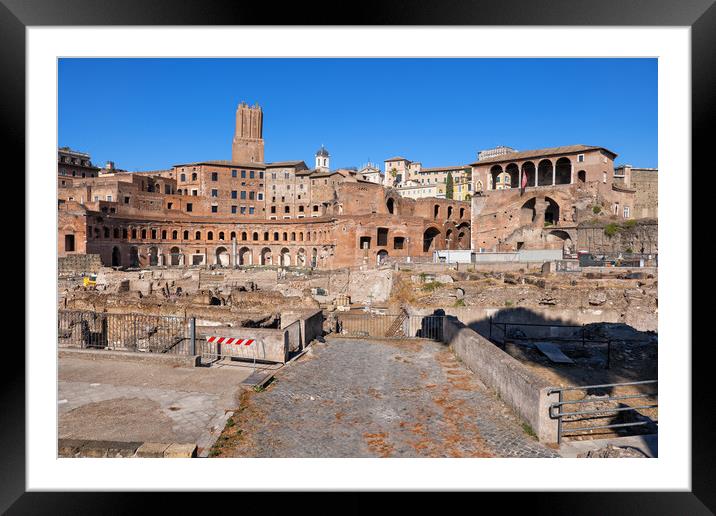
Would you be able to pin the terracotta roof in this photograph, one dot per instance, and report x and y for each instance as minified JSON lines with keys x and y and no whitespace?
{"x":538,"y":153}
{"x":285,"y":164}
{"x":439,"y":169}
{"x":223,"y":163}
{"x":397,"y":158}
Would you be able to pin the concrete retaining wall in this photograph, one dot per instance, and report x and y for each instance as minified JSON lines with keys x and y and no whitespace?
{"x":516,"y":385}
{"x":272,"y":345}
{"x":310,"y":321}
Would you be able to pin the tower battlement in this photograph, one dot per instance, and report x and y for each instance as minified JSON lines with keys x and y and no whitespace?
{"x":248,"y":144}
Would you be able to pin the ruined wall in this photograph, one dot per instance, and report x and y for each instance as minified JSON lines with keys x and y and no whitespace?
{"x":605,"y":237}
{"x":78,"y":264}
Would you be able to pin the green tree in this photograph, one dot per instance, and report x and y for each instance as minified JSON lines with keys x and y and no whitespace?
{"x":448,"y":186}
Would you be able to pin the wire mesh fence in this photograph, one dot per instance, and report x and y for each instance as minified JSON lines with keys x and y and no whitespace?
{"x":400,"y":325}
{"x":123,"y":332}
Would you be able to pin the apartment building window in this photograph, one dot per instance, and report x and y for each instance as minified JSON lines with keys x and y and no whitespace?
{"x":214,"y":192}
{"x":251,"y":210}
{"x":189,"y":206}
{"x":193,"y":176}
{"x":69,"y":243}
{"x":626,"y":212}
{"x":233,"y":209}
{"x":273,"y":209}
{"x":580,"y":158}
{"x":243,"y":194}
{"x":234,"y":173}
{"x":251,"y":174}
{"x":234,"y":194}
{"x":252,"y":195}
{"x":300,"y":208}
{"x":243,"y":210}
{"x":170,"y":205}
{"x":109,"y":198}
{"x":287,"y":209}
{"x":214,"y":209}
{"x":243,"y":174}
{"x":261,"y":174}
{"x":214,"y":176}
{"x":195,"y":192}
{"x":182,"y":177}
{"x":260,"y":196}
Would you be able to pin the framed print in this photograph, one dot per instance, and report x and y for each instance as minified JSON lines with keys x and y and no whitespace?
{"x":405,"y":250}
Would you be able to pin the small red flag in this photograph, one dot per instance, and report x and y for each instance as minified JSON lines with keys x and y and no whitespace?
{"x":524,"y":181}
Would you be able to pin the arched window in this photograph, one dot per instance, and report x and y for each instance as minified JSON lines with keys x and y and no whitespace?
{"x":221,"y":235}
{"x":197,"y":235}
{"x":210,"y":235}
{"x":175,"y":234}
{"x":186,"y":235}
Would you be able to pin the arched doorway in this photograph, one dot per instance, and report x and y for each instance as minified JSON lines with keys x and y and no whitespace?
{"x":153,"y":256}
{"x":382,"y":257}
{"x":551,"y":213}
{"x":222,"y":257}
{"x":245,"y":257}
{"x":513,"y":178}
{"x":301,"y":258}
{"x":429,"y":239}
{"x":528,"y":212}
{"x":563,"y":238}
{"x":116,"y":257}
{"x":175,"y":256}
{"x":285,"y":257}
{"x":390,"y":204}
{"x":266,"y":258}
{"x":495,"y":172}
{"x":544,"y":173}
{"x":314,"y":257}
{"x":449,"y":242}
{"x":529,"y":172}
{"x":133,"y":257}
{"x":582,"y":176}
{"x":563,"y":172}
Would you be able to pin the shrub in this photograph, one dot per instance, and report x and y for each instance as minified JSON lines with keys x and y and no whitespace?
{"x":459,"y":302}
{"x":596,"y":209}
{"x":429,"y":287}
{"x":611,"y":229}
{"x":629,"y":223}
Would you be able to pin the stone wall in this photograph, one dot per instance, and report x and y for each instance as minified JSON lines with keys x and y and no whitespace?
{"x":639,"y":236}
{"x":515,"y":384}
{"x":78,"y":263}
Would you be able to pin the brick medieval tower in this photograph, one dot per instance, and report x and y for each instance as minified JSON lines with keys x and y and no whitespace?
{"x":248,"y":145}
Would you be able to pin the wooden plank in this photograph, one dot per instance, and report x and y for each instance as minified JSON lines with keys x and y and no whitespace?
{"x":552,"y":352}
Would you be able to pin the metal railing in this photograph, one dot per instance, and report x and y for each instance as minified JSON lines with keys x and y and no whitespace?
{"x":125,"y":332}
{"x":400,"y":325}
{"x":580,"y":337}
{"x":618,"y":413}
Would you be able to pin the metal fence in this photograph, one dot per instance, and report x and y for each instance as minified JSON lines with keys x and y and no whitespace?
{"x":400,"y":325}
{"x":574,"y":415}
{"x":124,"y":332}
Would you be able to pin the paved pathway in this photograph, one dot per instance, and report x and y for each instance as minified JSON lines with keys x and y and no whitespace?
{"x":353,"y":398}
{"x":129,"y":401}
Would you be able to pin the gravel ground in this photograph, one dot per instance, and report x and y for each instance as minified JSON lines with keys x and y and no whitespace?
{"x":358,"y":398}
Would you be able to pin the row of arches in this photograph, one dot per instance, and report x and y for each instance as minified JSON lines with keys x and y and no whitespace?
{"x":543,"y":173}
{"x":143,"y":234}
{"x":221,"y":256}
{"x":457,"y":237}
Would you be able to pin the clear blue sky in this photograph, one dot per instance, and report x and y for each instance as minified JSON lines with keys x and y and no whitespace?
{"x":149,"y":114}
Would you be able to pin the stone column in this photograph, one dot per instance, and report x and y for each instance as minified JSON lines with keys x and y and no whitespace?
{"x":571,"y":172}
{"x":554,"y":173}
{"x":540,"y":208}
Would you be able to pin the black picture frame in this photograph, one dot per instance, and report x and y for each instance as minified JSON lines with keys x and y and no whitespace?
{"x":700,"y":15}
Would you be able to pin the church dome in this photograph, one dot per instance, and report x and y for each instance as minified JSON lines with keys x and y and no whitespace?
{"x":322,"y":152}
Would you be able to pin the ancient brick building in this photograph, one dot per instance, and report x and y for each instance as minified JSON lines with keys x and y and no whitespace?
{"x":563,"y":186}
{"x":247,"y":212}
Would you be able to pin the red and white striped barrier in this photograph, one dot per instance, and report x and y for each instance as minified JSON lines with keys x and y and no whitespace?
{"x":230,"y":340}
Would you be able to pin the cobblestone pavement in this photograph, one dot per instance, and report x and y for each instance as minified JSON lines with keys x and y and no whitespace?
{"x":123,"y":401}
{"x":354,"y":398}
